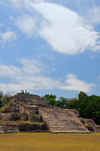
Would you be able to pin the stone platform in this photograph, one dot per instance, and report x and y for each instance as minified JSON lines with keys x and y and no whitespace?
{"x":62,"y":120}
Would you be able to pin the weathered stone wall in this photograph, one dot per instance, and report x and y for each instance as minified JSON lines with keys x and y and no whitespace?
{"x":87,"y":121}
{"x":29,"y":109}
{"x":35,"y":118}
{"x":28,"y":127}
{"x":23,"y":117}
{"x":13,"y":117}
{"x":22,"y":108}
{"x":9,"y":117}
{"x":90,"y":125}
{"x":32,"y":127}
{"x":10,"y":128}
{"x":93,"y":128}
{"x":61,"y":120}
{"x":20,"y":117}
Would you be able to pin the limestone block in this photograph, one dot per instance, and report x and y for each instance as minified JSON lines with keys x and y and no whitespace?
{"x":29,"y":109}
{"x":28,"y":127}
{"x":1,"y":130}
{"x":9,"y":117}
{"x":87,"y":121}
{"x":35,"y":118}
{"x":5,"y":116}
{"x":23,"y":117}
{"x":11,"y":128}
{"x":93,"y":128}
{"x":15,"y":117}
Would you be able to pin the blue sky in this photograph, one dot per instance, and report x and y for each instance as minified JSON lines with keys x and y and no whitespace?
{"x":50,"y":46}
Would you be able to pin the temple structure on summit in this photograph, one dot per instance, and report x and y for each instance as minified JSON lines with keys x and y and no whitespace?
{"x":31,"y":113}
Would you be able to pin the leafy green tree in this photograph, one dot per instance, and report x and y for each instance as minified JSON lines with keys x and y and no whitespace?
{"x":88,"y":107}
{"x":81,"y":94}
{"x":50,"y":96}
{"x":62,"y":102}
{"x":51,"y":99}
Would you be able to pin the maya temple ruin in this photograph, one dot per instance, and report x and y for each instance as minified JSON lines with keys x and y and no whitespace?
{"x":32,"y":113}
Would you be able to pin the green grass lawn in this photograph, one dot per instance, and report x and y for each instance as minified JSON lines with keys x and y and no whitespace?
{"x":49,"y":142}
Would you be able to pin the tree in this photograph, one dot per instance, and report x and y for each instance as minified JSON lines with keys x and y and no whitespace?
{"x":50,"y":96}
{"x":88,"y":107}
{"x":62,"y":102}
{"x":51,"y":99}
{"x":82,"y":94}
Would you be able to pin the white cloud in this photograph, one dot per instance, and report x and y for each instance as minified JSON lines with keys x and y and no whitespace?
{"x":75,"y":84}
{"x":64,"y":30}
{"x":26,"y":24}
{"x":31,"y":76}
{"x":8,"y":36}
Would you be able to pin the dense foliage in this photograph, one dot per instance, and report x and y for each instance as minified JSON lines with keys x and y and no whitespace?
{"x":51,"y":99}
{"x":88,"y":106}
{"x":2,"y":104}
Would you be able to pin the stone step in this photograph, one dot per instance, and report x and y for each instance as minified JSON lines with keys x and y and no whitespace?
{"x":62,"y":120}
{"x":64,"y":129}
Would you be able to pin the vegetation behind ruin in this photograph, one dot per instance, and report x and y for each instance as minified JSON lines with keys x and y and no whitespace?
{"x":88,"y":106}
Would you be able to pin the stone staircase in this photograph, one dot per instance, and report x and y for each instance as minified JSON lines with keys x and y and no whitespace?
{"x":62,"y":120}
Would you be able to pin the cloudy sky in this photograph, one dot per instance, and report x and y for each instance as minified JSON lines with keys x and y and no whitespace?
{"x":50,"y":46}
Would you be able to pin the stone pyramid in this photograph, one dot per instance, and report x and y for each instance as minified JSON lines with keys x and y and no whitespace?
{"x":31,"y":113}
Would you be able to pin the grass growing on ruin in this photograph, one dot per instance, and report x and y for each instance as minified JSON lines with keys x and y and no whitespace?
{"x":3,"y":108}
{"x":49,"y":142}
{"x":18,"y":122}
{"x":6,"y":105}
